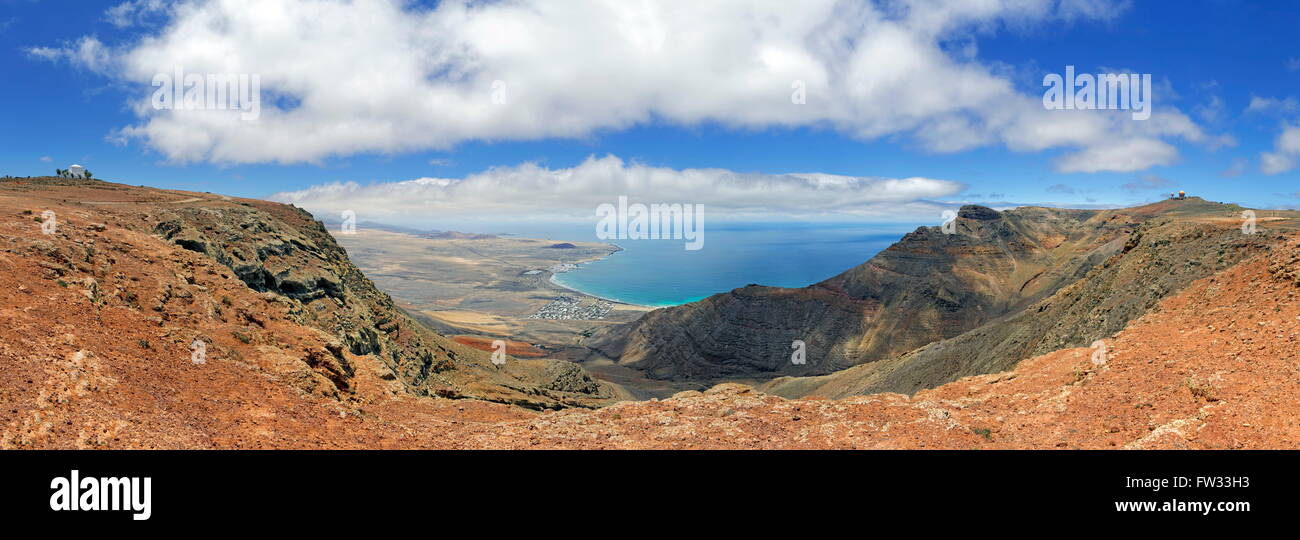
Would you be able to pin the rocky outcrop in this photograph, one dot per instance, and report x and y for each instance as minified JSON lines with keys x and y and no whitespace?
{"x":293,"y":268}
{"x":927,"y":287}
{"x":1160,"y":258}
{"x":934,"y":307}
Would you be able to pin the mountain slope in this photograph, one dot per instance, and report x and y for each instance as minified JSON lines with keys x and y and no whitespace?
{"x":927,"y":287}
{"x":1161,"y":257}
{"x":132,"y":277}
{"x":1216,"y":366}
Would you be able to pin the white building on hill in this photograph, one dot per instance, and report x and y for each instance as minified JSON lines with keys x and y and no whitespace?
{"x":77,"y":171}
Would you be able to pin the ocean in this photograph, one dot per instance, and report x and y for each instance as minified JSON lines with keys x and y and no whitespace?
{"x":663,"y":273}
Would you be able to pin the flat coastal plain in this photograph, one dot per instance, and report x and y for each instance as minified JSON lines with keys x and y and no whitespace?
{"x":477,"y":288}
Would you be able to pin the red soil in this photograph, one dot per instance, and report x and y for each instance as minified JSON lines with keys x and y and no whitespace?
{"x":517,"y":349}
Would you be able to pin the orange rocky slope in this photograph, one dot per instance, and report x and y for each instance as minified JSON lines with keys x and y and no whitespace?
{"x":97,"y":321}
{"x":95,"y":324}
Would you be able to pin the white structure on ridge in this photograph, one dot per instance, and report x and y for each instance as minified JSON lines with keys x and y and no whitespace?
{"x":77,"y":171}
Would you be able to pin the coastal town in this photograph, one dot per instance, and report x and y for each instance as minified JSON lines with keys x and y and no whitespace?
{"x":568,"y":308}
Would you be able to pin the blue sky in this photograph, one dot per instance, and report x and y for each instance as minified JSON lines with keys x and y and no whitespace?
{"x":1209,"y":60}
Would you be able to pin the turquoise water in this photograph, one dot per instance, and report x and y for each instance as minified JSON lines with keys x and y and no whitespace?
{"x":663,"y":273}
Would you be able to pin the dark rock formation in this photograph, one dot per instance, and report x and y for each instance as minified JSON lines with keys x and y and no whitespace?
{"x":1160,"y":258}
{"x":285,"y":253}
{"x":926,"y":290}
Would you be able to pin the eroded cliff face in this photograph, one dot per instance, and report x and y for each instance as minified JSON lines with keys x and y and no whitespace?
{"x":1160,"y":258}
{"x":262,"y":283}
{"x":934,"y":307}
{"x":927,"y":287}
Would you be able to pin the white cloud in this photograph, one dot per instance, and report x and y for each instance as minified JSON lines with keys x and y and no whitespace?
{"x":1127,"y":156}
{"x":532,"y":191}
{"x":390,"y":76}
{"x":86,"y":53}
{"x":1286,"y":149}
{"x":1264,"y":105}
{"x":134,"y":12}
{"x":1212,"y":111}
{"x":1275,"y":163}
{"x":46,"y":159}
